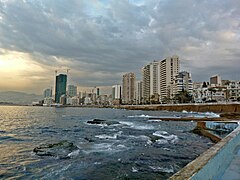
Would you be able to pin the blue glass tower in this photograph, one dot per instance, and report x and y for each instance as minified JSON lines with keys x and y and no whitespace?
{"x":61,"y":86}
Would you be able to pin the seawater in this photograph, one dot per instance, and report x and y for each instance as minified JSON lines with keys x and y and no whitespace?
{"x":133,"y":147}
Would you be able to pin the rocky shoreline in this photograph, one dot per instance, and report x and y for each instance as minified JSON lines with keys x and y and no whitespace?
{"x":216,"y":108}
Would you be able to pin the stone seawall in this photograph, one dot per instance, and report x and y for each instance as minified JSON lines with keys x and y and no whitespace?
{"x":217,"y":108}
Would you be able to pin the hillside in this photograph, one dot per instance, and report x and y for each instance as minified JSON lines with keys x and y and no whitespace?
{"x":19,"y":97}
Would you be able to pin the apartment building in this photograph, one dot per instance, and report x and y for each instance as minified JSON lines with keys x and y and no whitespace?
{"x":128,"y":88}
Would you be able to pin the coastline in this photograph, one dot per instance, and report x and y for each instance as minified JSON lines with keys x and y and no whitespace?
{"x":209,"y":107}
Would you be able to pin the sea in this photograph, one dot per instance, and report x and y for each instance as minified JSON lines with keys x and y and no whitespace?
{"x":95,"y":143}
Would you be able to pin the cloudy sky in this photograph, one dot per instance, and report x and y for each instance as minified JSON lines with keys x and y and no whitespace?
{"x":100,"y":40}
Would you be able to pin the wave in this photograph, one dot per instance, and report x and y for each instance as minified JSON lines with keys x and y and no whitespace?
{"x":134,"y":169}
{"x":106,"y":147}
{"x":141,"y":116}
{"x":166,"y":138}
{"x":142,"y":127}
{"x":161,"y":169}
{"x":74,"y":154}
{"x":137,"y":126}
{"x":155,"y":120}
{"x":201,"y":115}
{"x":105,"y":136}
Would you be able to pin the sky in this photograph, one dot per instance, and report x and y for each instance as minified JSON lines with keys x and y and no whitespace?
{"x":100,"y":40}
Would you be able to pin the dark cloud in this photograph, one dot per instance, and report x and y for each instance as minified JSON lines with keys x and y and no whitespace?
{"x":101,"y":40}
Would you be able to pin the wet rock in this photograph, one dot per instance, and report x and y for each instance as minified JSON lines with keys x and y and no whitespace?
{"x":234,"y":116}
{"x":100,"y":121}
{"x":154,"y":138}
{"x":61,"y":149}
{"x":88,"y":139}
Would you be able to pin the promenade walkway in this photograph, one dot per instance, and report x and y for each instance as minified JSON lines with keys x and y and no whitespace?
{"x":233,"y":171}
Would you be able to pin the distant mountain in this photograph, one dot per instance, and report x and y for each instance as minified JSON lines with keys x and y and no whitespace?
{"x":19,"y":97}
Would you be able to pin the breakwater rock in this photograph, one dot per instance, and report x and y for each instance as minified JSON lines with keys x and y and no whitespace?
{"x":62,"y":149}
{"x":100,"y":121}
{"x":217,"y":108}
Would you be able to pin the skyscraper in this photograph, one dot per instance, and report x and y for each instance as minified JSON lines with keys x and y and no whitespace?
{"x":154,"y":78}
{"x":60,"y":86}
{"x":169,"y":69}
{"x":146,"y":83}
{"x":128,"y":88}
{"x":158,"y":78}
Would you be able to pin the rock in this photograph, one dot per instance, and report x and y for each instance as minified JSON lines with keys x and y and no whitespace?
{"x":97,"y":121}
{"x":61,"y":149}
{"x":100,"y":121}
{"x":88,"y":139}
{"x":234,"y":116}
{"x":154,"y":138}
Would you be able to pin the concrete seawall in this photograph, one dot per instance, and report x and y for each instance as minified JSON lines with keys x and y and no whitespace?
{"x":217,"y":108}
{"x":215,"y":162}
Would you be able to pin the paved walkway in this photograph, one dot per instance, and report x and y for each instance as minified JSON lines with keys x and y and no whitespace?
{"x":233,"y":171}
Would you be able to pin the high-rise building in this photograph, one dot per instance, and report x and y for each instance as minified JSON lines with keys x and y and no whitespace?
{"x":146,"y":83}
{"x":169,"y":69}
{"x":116,"y":92}
{"x":128,"y":85}
{"x":60,"y":86}
{"x":154,"y":78}
{"x":47,"y":93}
{"x":158,"y":78}
{"x":139,"y":92}
{"x":72,"y":90}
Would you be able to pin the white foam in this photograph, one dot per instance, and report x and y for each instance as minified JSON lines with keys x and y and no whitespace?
{"x":142,"y":137}
{"x":166,"y":149}
{"x":102,"y":125}
{"x":102,"y":147}
{"x":141,"y":116}
{"x":74,"y":153}
{"x":201,"y":115}
{"x":163,"y":134}
{"x":126,"y":123}
{"x":121,"y":146}
{"x":211,"y":114}
{"x":149,"y":142}
{"x":134,"y":169}
{"x":162,"y":141}
{"x":106,"y":147}
{"x":161,"y":169}
{"x":137,"y":126}
{"x":160,"y":133}
{"x":105,"y":136}
{"x":155,"y":120}
{"x":142,"y":127}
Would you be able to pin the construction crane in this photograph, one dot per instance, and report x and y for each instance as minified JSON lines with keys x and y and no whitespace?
{"x":67,"y":70}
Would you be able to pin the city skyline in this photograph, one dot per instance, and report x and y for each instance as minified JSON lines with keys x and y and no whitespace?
{"x":102,"y":40}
